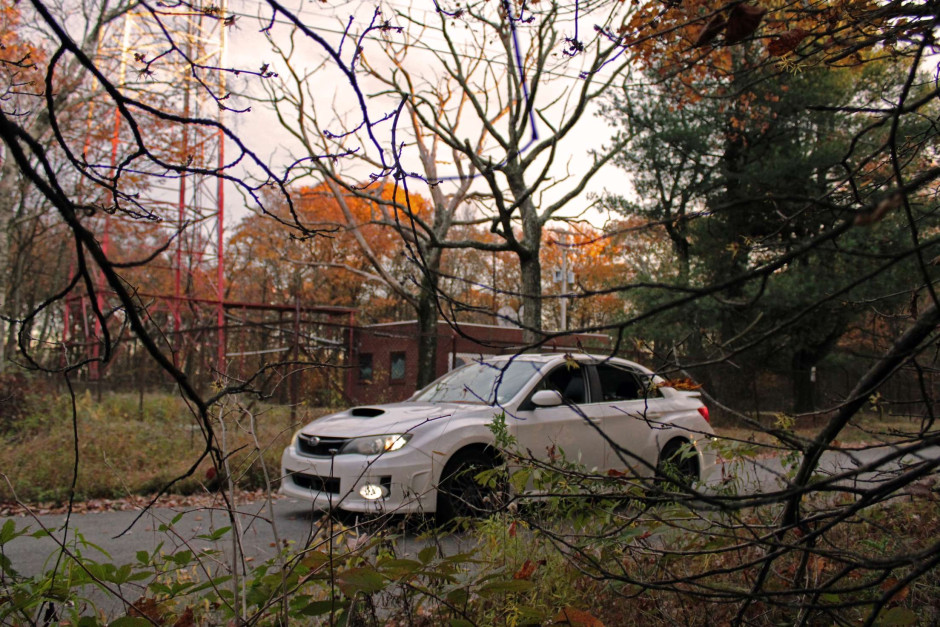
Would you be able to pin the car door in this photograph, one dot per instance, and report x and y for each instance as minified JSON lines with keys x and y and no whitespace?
{"x":569,"y":429}
{"x":629,"y":408}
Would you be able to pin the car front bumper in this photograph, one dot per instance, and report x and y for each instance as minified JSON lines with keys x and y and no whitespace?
{"x":403,"y":477}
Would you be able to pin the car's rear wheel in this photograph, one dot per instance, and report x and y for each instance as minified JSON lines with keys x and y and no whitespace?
{"x":459,"y":494}
{"x":678,"y":465}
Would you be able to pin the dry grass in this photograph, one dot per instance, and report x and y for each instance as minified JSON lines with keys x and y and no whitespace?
{"x":125,"y":447}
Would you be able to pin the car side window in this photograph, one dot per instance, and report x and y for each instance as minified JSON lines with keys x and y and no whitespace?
{"x":622,"y":384}
{"x":568,"y":381}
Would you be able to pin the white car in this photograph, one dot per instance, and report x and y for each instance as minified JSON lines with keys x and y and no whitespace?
{"x":414,"y":456}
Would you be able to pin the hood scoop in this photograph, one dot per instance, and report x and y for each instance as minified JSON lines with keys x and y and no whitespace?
{"x":366,"y":412}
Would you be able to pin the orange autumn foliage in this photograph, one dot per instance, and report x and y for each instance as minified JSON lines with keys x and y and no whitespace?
{"x":272,"y":264}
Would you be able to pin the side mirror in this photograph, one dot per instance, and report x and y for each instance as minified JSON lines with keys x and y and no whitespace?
{"x":547,"y":398}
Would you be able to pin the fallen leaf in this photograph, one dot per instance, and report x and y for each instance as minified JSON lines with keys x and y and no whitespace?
{"x":148,"y":608}
{"x":898,"y":597}
{"x":526,"y":571}
{"x":186,"y":619}
{"x":576,"y":618}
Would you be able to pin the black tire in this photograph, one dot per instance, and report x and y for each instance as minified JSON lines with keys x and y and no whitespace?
{"x":676,"y":466}
{"x":459,"y":494}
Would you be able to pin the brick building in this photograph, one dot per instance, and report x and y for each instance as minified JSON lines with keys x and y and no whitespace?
{"x":385,"y":356}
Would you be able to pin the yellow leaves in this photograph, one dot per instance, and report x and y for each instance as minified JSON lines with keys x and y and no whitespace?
{"x":683,"y":384}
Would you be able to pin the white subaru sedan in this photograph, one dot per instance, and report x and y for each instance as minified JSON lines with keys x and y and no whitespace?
{"x":421,"y":455}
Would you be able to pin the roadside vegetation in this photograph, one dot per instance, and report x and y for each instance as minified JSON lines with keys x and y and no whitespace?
{"x":136,"y":445}
{"x":132,"y":445}
{"x":626,"y":555}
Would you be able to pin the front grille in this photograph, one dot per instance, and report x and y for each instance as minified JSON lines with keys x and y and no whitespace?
{"x":319,"y":447}
{"x":316,"y":482}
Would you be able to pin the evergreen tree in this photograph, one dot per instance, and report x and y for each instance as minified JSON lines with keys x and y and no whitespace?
{"x":752,"y":176}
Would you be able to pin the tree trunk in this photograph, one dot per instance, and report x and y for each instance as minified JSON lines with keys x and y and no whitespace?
{"x":530,"y":267}
{"x":427,"y":331}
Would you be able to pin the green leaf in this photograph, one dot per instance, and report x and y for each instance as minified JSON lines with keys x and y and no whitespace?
{"x":529,"y":615}
{"x":182,"y":558}
{"x":427,"y":554}
{"x":463,"y":558}
{"x":215,"y":535}
{"x":505,"y":587}
{"x":143,"y":557}
{"x":360,"y":580}
{"x":458,"y":596}
{"x":159,"y":588}
{"x":6,"y":566}
{"x":91,"y":545}
{"x":318,"y":608}
{"x":8,"y":531}
{"x":212,"y":583}
{"x":122,"y":574}
{"x":520,"y":479}
{"x":897,"y":617}
{"x":399,"y":567}
{"x":315,"y":559}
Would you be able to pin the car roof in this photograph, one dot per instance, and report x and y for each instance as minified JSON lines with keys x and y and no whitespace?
{"x":546,"y":358}
{"x":550,"y":357}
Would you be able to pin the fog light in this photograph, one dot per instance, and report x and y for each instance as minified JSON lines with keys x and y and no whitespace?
{"x":371,"y":491}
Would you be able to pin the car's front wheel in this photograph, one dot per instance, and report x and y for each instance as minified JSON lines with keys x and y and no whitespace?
{"x":678,"y":464}
{"x":459,"y":494}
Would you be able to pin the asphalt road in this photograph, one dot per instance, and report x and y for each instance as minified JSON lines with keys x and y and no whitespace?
{"x":286,"y":522}
{"x":292,"y":524}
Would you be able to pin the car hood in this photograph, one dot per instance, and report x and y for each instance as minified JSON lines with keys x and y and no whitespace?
{"x":390,"y":418}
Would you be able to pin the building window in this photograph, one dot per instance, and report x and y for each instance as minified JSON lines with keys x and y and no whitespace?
{"x":396,"y":371}
{"x":365,"y":367}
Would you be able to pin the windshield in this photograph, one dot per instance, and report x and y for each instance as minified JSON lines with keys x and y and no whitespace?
{"x":488,"y":383}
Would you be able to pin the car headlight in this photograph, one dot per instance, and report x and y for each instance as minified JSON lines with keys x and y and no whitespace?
{"x":375,"y":444}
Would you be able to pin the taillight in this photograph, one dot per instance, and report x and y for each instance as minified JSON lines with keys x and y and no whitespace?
{"x":704,"y":411}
